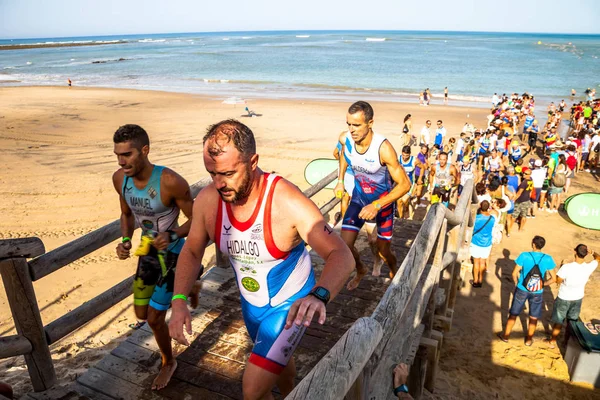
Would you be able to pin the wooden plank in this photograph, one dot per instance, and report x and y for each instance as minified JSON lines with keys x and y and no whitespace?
{"x":70,"y":392}
{"x":28,"y":322}
{"x":74,"y":250}
{"x":333,"y":376}
{"x":25,"y":247}
{"x":89,"y":310}
{"x":147,"y":363}
{"x":317,"y":187}
{"x":432,"y":347}
{"x":401,"y":338}
{"x":14,"y":345}
{"x":113,"y":386}
{"x":417,"y":374}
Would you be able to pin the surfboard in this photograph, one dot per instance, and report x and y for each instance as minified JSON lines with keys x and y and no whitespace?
{"x":318,"y":169}
{"x":584,"y":210}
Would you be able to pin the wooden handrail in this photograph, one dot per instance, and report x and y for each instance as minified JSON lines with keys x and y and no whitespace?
{"x":14,"y":345}
{"x":26,"y":248}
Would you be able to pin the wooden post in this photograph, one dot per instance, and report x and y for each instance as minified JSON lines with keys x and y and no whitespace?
{"x":417,"y":374}
{"x":26,"y":314}
{"x":15,"y":345}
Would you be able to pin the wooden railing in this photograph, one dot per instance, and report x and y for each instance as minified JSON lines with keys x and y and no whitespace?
{"x":33,"y":338}
{"x":408,"y":324}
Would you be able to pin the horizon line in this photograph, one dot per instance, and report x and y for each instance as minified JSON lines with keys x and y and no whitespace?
{"x":307,"y":31}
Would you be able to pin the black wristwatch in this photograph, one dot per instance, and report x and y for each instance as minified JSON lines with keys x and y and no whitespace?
{"x":173,"y":237}
{"x":321,"y":293}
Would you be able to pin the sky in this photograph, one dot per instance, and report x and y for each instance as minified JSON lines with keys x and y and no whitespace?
{"x":64,"y":18}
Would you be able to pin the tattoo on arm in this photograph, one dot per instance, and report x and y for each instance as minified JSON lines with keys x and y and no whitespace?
{"x":327,"y":229}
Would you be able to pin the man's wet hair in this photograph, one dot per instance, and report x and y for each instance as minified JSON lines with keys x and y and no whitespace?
{"x":581,"y":250}
{"x":364,"y":107}
{"x":406,"y":149}
{"x":230,"y":130}
{"x":480,"y":188}
{"x":132,"y":133}
{"x":539,"y":242}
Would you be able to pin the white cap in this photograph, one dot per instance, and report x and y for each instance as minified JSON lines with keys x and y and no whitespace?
{"x":538,"y":163}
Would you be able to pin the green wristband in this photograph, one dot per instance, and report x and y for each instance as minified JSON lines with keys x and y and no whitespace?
{"x":125,"y":239}
{"x":179,"y":296}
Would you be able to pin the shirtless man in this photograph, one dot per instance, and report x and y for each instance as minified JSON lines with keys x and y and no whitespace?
{"x":442,"y":178}
{"x":153,"y":196}
{"x":375,"y":165}
{"x":262,"y":222}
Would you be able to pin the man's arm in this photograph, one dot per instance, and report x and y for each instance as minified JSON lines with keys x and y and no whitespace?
{"x":188,"y":265}
{"x":516,"y":273}
{"x":339,"y":262}
{"x":455,"y":175}
{"x":339,"y":188}
{"x":389,"y":158}
{"x":127,"y":220}
{"x":431,"y":179}
{"x":553,"y":278}
{"x":179,"y":191}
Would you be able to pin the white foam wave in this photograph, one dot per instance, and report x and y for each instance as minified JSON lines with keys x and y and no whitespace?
{"x":302,"y":36}
{"x":372,"y":39}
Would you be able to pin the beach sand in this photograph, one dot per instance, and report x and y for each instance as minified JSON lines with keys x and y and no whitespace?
{"x":57,"y":162}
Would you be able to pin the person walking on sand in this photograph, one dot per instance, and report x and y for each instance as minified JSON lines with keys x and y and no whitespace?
{"x":571,"y":278}
{"x":380,"y":181}
{"x":262,"y":222}
{"x":481,"y":241}
{"x":153,"y":196}
{"x":446,"y":95}
{"x":405,"y":136}
{"x":69,"y":82}
{"x":529,"y":276}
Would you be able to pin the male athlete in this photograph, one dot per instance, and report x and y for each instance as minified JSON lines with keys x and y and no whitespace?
{"x":442,"y":178}
{"x":373,"y":160}
{"x":410,"y":164}
{"x":152,"y":195}
{"x":262,"y":222}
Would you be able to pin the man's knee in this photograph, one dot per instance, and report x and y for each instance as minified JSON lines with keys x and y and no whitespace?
{"x":156,"y":318}
{"x":141,"y":312}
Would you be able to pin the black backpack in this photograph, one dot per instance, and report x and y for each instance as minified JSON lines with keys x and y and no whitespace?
{"x":534,"y":281}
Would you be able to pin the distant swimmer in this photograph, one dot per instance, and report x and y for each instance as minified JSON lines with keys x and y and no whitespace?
{"x":262,"y":222}
{"x":573,"y":92}
{"x":376,"y":169}
{"x":446,"y":95}
{"x":152,"y":196}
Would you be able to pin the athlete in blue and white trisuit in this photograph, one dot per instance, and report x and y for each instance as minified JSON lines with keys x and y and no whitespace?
{"x":411,"y":164}
{"x":375,"y":165}
{"x":153,"y":196}
{"x":261,"y":221}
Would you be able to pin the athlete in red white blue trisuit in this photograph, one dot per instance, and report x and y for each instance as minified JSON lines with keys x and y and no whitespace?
{"x":261,"y":221}
{"x":376,"y":168}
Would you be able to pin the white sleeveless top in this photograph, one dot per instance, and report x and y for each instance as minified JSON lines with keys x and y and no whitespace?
{"x":372,"y":179}
{"x":265,"y":275}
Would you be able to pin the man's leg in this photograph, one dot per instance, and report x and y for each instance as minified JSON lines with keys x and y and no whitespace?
{"x":350,"y":228}
{"x":349,"y":237}
{"x":531,"y":331}
{"x":509,"y":326}
{"x":372,"y":240}
{"x":476,"y":269}
{"x":385,"y":251}
{"x":156,"y":321}
{"x":258,"y":383}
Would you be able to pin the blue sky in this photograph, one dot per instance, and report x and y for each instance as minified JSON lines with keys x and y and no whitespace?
{"x":60,"y":18}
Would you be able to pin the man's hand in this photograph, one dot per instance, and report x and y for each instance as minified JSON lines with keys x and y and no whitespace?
{"x":368,"y":212}
{"x":180,"y":316}
{"x":400,"y":375}
{"x":303,"y":310}
{"x":339,"y":189}
{"x":123,"y":250}
{"x":161,"y":241}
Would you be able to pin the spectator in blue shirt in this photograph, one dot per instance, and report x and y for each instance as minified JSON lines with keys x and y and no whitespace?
{"x":481,"y":242}
{"x":529,"y":289}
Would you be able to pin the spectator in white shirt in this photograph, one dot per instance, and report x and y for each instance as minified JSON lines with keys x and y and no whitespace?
{"x":538,"y":175}
{"x":426,"y":134}
{"x":572,"y":278}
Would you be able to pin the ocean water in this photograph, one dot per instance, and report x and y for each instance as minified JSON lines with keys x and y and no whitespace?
{"x":386,"y":65}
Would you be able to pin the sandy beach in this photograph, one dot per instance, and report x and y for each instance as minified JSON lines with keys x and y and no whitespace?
{"x":57,"y":161}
